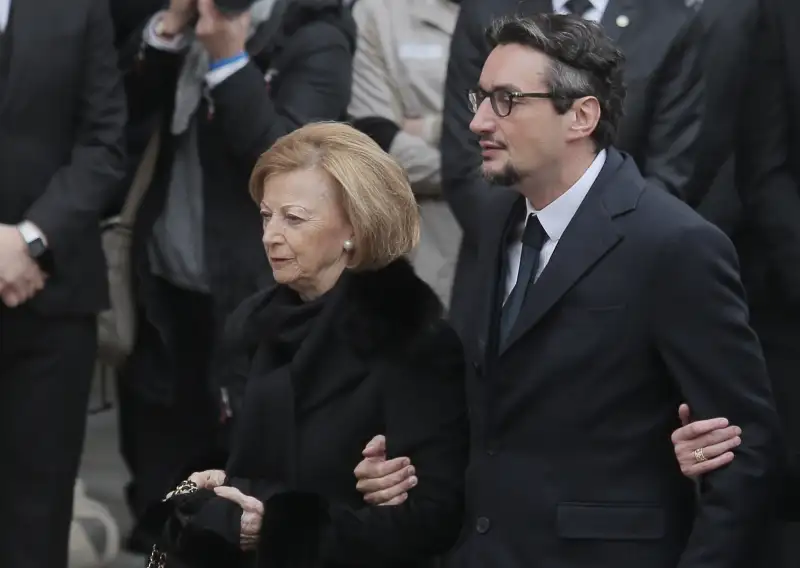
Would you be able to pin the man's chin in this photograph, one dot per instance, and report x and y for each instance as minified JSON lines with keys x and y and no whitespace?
{"x":500,"y":177}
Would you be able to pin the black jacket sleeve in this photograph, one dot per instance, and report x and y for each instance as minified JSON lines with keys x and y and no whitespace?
{"x":79,"y":193}
{"x":769,"y":192}
{"x":702,"y":333}
{"x":678,"y":102}
{"x":463,"y":185}
{"x":313,"y":86}
{"x":426,"y":420}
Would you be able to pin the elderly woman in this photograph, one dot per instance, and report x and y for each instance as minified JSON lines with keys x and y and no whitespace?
{"x":348,"y":342}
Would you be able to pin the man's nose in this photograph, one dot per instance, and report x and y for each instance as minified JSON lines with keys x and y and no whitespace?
{"x":483,"y":121}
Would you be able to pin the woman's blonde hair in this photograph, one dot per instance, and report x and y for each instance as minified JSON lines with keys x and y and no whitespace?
{"x":373,"y":189}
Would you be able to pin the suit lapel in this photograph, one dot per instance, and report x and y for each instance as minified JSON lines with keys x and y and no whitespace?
{"x":619,"y":17}
{"x":491,"y":273}
{"x":531,"y":7}
{"x":25,"y":16}
{"x":589,"y":237}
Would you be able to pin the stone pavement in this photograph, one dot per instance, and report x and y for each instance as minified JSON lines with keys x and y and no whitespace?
{"x":104,"y":473}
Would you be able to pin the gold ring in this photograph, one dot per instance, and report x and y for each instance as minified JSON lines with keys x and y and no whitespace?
{"x":699,"y":456}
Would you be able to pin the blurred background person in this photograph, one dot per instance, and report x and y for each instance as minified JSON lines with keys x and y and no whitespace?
{"x":399,"y":71}
{"x":225,"y":80}
{"x":61,"y":134}
{"x":727,"y":43}
{"x":768,"y":180}
{"x":661,"y":40}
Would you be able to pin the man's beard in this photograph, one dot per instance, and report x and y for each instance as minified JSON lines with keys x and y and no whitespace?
{"x":508,"y":177}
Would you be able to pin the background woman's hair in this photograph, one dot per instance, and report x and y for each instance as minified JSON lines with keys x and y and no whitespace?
{"x":372,"y":187}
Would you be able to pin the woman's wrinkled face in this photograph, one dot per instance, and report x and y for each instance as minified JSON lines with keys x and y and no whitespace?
{"x":305,"y":229}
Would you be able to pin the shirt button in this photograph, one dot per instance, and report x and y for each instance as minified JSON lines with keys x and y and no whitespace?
{"x":482,"y":525}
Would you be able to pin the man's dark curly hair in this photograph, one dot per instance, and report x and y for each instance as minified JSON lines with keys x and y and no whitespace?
{"x":584,"y":62}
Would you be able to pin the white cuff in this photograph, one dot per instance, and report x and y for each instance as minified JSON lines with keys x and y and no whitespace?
{"x":31,"y":232}
{"x":218,"y":75}
{"x":175,"y":44}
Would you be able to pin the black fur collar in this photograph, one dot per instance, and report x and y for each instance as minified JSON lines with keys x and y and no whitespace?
{"x":379,"y":309}
{"x":390,"y":306}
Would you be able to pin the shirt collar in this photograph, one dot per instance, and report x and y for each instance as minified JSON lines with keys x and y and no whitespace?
{"x":557,"y":215}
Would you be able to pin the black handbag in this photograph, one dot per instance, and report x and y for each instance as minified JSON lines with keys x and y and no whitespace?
{"x":200,"y":530}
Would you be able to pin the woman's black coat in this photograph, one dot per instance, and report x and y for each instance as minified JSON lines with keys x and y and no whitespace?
{"x":379,"y":359}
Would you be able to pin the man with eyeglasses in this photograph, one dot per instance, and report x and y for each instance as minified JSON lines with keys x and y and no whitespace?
{"x":603,"y":303}
{"x":663,"y":68}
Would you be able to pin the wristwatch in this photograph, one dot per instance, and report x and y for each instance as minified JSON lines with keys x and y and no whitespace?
{"x":37,"y":247}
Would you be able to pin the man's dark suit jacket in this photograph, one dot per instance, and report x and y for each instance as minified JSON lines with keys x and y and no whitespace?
{"x":662,"y":111}
{"x":768,"y":179}
{"x":62,"y":119}
{"x":639,"y":308}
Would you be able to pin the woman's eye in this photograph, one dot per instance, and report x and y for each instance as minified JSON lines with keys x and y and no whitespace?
{"x":293,"y":218}
{"x":266,"y":216}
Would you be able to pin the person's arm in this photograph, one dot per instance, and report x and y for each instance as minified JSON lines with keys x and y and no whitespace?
{"x":314,"y":86}
{"x":769,"y":192}
{"x":463,"y":184}
{"x":700,"y":327}
{"x":376,"y":96}
{"x":79,"y":192}
{"x":426,"y":420}
{"x":677,"y":99}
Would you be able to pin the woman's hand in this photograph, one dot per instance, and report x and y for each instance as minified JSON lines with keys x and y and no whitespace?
{"x":208,"y":479}
{"x":384,"y":482}
{"x":704,"y":446}
{"x":252,"y":516}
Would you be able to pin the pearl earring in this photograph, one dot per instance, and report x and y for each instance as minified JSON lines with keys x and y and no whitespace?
{"x":348,"y":245}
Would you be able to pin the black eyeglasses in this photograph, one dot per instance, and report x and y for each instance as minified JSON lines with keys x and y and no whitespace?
{"x":502,"y":100}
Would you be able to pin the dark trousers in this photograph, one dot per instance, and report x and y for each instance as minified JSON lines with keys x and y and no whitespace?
{"x":168,"y":419}
{"x":46,"y":368}
{"x":779,"y":333}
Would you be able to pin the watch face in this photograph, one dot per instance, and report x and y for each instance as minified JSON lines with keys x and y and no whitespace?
{"x":36,"y":248}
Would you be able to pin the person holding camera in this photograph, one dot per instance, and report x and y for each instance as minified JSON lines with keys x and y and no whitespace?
{"x":225,"y":79}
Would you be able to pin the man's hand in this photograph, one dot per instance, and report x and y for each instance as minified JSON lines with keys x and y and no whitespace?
{"x":383,"y":482}
{"x":223,"y":36}
{"x":252,"y":515}
{"x":208,"y":479}
{"x":714,"y":437}
{"x":20,"y":277}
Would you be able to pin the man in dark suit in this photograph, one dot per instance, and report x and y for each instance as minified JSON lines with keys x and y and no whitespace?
{"x":729,"y":28}
{"x":661,"y":41}
{"x":604,"y":302}
{"x":61,"y":127}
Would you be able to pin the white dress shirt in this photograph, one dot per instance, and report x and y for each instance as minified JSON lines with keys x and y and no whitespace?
{"x":5,"y":9}
{"x":595,"y":14}
{"x":555,"y":218}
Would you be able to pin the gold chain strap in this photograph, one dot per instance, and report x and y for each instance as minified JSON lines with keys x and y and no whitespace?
{"x":158,"y":559}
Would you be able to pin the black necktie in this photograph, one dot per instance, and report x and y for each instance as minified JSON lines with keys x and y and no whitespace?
{"x":578,"y":7}
{"x":532,"y":240}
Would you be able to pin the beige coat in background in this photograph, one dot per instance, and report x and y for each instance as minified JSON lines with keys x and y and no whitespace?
{"x":399,"y":72}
